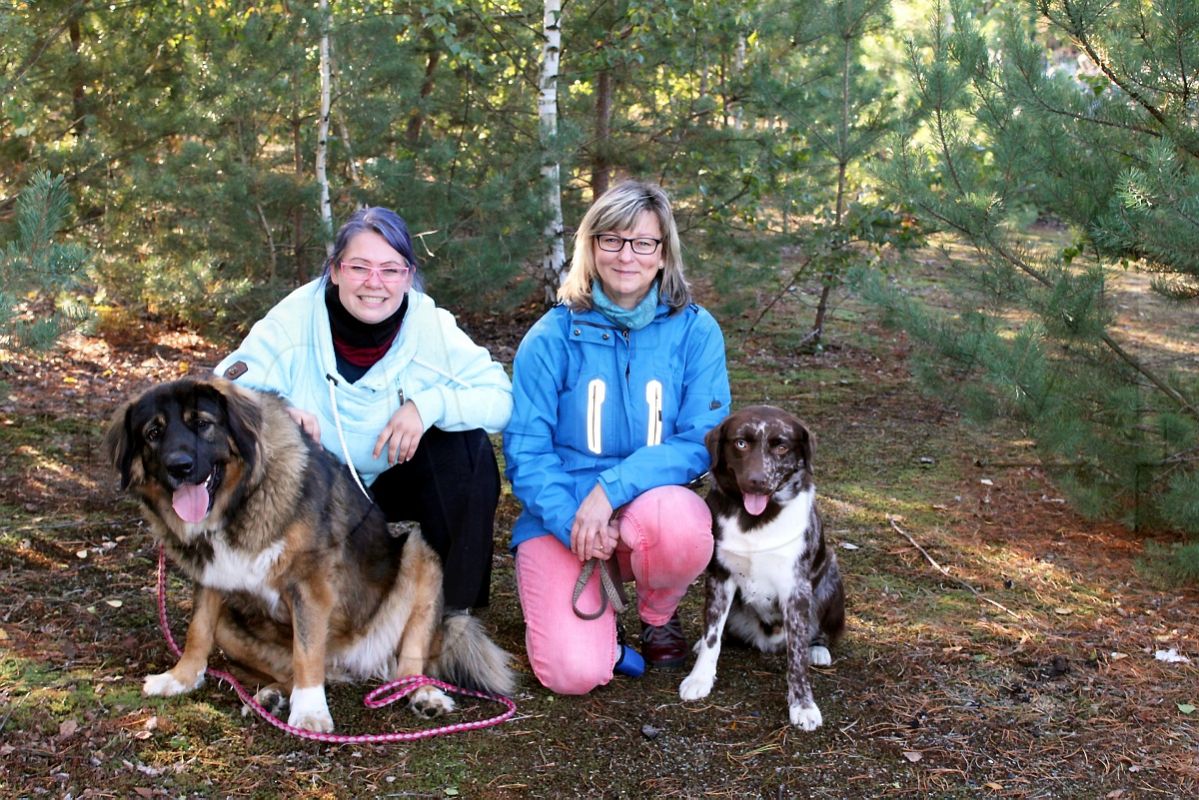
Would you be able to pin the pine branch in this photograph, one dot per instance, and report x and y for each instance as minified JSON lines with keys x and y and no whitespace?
{"x":988,"y":236}
{"x":40,"y":47}
{"x":1077,"y":31}
{"x":1076,"y":116}
{"x":1128,"y":358}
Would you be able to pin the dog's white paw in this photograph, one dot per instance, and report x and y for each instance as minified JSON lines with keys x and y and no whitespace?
{"x":697,"y":685}
{"x":430,"y":702}
{"x":164,"y":684}
{"x":310,"y":710}
{"x":819,"y":655}
{"x":806,"y":718}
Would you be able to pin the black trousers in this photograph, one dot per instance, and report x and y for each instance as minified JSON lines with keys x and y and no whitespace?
{"x":451,"y":487}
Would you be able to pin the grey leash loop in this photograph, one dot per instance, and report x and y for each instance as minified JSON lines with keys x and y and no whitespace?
{"x":610,"y":590}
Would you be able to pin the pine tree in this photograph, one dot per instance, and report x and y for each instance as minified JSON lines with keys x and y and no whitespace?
{"x":1110,"y":146}
{"x":37,"y":273}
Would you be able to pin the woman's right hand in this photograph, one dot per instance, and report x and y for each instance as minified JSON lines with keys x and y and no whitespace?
{"x":594,"y":534}
{"x":306,"y":421}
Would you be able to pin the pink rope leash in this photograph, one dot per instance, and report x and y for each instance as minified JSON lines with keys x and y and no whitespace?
{"x":376,"y":698}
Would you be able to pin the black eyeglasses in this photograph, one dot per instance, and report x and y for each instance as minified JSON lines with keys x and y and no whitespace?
{"x":642,"y":245}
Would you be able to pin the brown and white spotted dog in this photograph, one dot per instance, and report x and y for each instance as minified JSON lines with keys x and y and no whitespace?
{"x":772,"y":582}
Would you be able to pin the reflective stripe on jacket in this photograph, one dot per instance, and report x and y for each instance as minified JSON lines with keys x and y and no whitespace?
{"x":594,"y":403}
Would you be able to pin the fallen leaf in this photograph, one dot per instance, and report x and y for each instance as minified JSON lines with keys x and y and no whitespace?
{"x":987,"y":482}
{"x":81,"y":554}
{"x":67,"y":729}
{"x":1117,"y":656}
{"x":912,"y":755}
{"x":849,"y":546}
{"x":114,"y":603}
{"x":1063,"y":611}
{"x":1186,"y":708}
{"x":994,"y":787}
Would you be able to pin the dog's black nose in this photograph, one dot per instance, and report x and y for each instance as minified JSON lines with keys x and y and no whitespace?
{"x":756,"y":483}
{"x":179,"y":465}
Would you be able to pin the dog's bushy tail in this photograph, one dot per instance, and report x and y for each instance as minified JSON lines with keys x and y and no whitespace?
{"x":468,"y":658}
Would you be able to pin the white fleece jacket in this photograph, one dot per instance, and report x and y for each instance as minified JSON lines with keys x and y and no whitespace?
{"x":454,"y":382}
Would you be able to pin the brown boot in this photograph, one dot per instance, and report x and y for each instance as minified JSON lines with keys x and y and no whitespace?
{"x":664,"y":645}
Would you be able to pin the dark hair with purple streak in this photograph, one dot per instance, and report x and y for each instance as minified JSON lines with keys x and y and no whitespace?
{"x":386,"y":223}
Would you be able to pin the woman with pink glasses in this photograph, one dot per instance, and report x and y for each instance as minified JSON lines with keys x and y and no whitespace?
{"x":385,"y":380}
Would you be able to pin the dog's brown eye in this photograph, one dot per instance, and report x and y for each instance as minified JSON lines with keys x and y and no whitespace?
{"x":203,"y":425}
{"x":781,"y":449}
{"x":153,"y":433}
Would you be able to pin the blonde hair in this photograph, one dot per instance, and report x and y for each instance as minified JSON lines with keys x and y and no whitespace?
{"x":617,"y":209}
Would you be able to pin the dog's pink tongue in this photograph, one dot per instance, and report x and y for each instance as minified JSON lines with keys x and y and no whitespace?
{"x":755,"y":503}
{"x":190,"y":502}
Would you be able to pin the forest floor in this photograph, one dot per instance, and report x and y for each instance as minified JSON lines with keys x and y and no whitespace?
{"x":998,"y":645}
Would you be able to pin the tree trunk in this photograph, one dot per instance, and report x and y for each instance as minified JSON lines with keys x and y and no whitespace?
{"x":600,"y":164}
{"x":297,"y":214}
{"x":829,"y":278}
{"x":322,"y":132}
{"x":554,"y":261}
{"x":417,"y":120}
{"x":78,"y":106}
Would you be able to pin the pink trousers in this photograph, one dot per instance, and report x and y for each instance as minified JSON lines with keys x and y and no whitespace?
{"x":665,"y":543}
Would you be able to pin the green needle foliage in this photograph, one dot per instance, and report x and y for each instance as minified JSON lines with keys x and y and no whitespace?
{"x":38,"y":273}
{"x":1084,"y":112}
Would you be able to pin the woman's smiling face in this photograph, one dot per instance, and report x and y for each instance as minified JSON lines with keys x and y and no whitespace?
{"x":370,"y":299}
{"x":625,"y":276}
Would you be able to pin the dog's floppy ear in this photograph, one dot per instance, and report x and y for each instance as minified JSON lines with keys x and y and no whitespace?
{"x":118,"y":442}
{"x":807,"y":443}
{"x":244,"y":416}
{"x":713,"y":439}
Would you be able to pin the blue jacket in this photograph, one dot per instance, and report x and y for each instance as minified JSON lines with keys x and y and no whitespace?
{"x":453,"y":381}
{"x":594,"y":403}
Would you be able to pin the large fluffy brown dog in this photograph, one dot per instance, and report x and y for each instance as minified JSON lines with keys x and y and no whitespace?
{"x":297,"y":578}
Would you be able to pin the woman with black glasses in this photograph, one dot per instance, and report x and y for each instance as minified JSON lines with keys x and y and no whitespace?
{"x":614,"y":391}
{"x":385,"y":380}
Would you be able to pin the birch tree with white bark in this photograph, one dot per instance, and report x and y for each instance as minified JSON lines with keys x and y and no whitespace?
{"x":554,"y":261}
{"x":322,"y":131}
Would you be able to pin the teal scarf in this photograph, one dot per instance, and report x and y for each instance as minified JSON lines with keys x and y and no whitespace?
{"x":631,"y":319}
